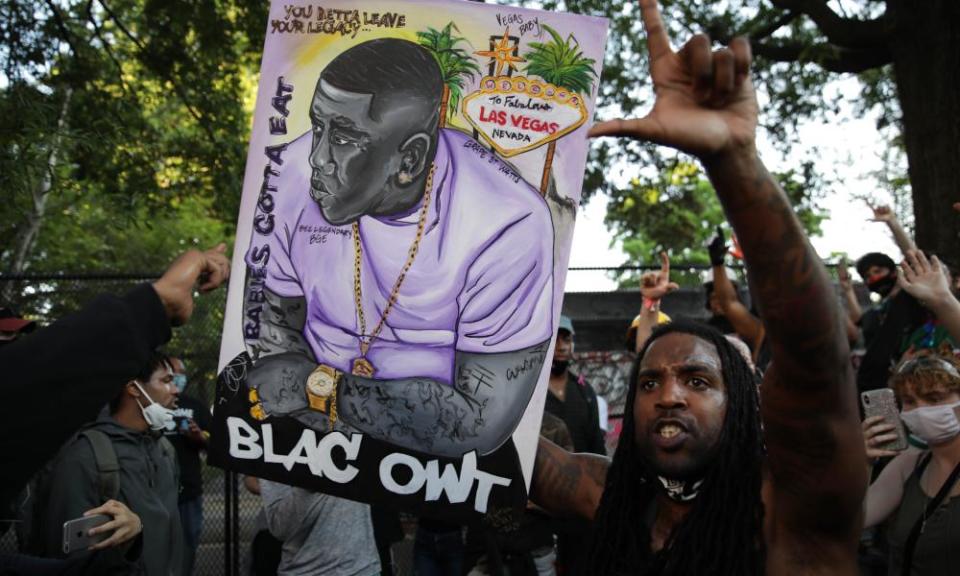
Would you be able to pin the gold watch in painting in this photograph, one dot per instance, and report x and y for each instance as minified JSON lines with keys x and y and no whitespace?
{"x":322,"y":390}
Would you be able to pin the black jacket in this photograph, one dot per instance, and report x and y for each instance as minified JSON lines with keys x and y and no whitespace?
{"x":579,"y":411}
{"x":58,"y":378}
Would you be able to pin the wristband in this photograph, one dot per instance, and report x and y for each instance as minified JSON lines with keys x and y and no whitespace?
{"x":652,"y":304}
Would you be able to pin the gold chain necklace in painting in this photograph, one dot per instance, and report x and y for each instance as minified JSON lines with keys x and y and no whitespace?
{"x":362,"y":366}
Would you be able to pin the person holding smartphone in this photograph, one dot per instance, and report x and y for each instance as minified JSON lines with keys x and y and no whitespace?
{"x":917,"y":491}
{"x":146,"y":481}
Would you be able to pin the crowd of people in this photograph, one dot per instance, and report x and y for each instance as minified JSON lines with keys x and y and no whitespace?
{"x":752,"y":443}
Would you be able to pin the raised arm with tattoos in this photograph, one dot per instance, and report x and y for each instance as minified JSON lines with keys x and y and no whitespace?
{"x":813,"y":479}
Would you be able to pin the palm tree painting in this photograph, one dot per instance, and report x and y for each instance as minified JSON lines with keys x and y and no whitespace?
{"x":455,"y":63}
{"x":561,"y":63}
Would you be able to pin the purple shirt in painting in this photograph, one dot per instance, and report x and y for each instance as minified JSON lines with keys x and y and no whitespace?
{"x":482,"y":280}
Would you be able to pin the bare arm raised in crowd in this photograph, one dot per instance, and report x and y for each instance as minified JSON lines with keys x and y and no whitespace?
{"x":815,"y":480}
{"x":747,"y":326}
{"x":926,"y":280}
{"x":854,"y":312}
{"x":653,"y":287}
{"x":886,"y":215}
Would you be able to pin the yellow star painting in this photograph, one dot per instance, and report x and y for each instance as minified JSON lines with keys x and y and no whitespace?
{"x":503,"y":53}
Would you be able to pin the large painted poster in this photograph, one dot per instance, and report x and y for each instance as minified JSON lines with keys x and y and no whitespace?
{"x":407,"y":212}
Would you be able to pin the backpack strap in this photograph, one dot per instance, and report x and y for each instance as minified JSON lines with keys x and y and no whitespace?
{"x":108,"y":468}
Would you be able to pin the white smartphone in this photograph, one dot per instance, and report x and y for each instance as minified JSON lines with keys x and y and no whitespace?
{"x":76,"y":532}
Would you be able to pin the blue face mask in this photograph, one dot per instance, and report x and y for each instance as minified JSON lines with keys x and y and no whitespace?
{"x":180,"y":381}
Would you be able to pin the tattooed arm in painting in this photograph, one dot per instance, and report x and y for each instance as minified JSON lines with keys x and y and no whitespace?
{"x":566,"y":484}
{"x":479,"y":411}
{"x":815,"y":481}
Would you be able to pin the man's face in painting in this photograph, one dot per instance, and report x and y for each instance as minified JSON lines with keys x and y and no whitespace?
{"x":680,"y":406}
{"x":359,"y":159}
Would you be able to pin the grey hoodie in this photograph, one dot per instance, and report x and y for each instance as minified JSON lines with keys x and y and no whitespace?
{"x":148,"y":486}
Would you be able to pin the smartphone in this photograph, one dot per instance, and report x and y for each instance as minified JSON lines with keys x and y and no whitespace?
{"x":75,"y":532}
{"x":882,"y":402}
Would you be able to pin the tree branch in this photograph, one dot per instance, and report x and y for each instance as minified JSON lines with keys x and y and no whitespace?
{"x":106,"y":46}
{"x":167,"y":76}
{"x":766,"y":31}
{"x":850,"y":33}
{"x":830,"y":57}
{"x":755,"y":29}
{"x":61,"y":25}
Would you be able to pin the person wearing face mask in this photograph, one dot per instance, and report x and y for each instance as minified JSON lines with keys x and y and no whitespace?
{"x":189,"y":434}
{"x":84,"y":359}
{"x":918,"y":490}
{"x":148,"y":472}
{"x":571,"y":397}
{"x":887,"y":326}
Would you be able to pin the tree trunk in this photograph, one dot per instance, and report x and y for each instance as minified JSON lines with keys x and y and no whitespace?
{"x":926,"y":55}
{"x":444,"y":103}
{"x":547,"y":166}
{"x":26,"y":236}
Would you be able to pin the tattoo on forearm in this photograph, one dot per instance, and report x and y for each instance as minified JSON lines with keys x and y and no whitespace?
{"x":791,"y":286}
{"x":420,"y":412}
{"x":596,"y":469}
{"x":478,"y":410}
{"x":567,"y":483}
{"x":556,"y":476}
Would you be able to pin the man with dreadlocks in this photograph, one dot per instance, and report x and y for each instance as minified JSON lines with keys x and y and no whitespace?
{"x":716,"y":474}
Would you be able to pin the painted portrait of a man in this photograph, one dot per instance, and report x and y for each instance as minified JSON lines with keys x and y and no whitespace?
{"x":405,"y":286}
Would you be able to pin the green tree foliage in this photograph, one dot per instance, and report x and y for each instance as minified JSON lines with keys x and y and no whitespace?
{"x":905,"y":55}
{"x":456,"y":64}
{"x":125,"y":126}
{"x":123,"y":136}
{"x":678,"y":212}
{"x":561,"y":63}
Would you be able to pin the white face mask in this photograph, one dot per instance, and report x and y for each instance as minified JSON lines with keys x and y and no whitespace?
{"x":157,"y":416}
{"x":933,"y":424}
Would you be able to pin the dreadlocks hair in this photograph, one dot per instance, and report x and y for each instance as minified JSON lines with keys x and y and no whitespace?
{"x":722,"y":533}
